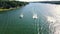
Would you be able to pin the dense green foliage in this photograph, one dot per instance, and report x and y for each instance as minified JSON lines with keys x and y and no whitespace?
{"x":51,"y":2}
{"x":11,"y":4}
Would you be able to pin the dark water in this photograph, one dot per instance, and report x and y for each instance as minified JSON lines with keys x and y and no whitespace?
{"x":10,"y":23}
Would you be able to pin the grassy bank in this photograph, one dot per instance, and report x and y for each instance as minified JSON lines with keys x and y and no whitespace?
{"x":8,"y":9}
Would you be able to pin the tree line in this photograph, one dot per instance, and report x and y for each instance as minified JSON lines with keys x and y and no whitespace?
{"x":11,"y":4}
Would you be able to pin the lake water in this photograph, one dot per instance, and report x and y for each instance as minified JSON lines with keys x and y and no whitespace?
{"x":47,"y":21}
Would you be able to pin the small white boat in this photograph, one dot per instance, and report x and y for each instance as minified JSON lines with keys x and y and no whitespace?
{"x":35,"y":16}
{"x":21,"y":16}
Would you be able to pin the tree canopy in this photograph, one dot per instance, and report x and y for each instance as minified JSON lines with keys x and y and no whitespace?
{"x":11,"y":4}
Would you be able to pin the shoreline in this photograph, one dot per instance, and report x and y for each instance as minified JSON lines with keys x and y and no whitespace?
{"x":8,"y":9}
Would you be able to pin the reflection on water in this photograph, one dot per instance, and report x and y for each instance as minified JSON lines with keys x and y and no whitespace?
{"x":47,"y":20}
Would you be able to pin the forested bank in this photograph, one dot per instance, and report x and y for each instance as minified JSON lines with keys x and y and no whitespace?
{"x":11,"y":4}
